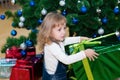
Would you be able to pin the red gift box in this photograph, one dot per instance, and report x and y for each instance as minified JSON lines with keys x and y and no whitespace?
{"x":15,"y":52}
{"x":22,"y":70}
{"x":29,"y":68}
{"x":16,"y":74}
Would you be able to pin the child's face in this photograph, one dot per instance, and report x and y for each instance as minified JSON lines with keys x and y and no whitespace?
{"x":58,"y":33}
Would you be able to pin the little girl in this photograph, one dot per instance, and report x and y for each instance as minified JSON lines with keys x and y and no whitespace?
{"x":51,"y":40}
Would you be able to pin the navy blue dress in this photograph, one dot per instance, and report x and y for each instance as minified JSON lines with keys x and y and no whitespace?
{"x":60,"y":73}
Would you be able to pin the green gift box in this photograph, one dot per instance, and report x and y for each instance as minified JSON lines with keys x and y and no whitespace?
{"x":105,"y":67}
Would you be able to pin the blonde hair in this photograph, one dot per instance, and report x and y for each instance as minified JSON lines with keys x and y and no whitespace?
{"x":50,"y":21}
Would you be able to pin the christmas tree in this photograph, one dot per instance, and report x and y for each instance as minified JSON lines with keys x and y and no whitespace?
{"x":91,"y":18}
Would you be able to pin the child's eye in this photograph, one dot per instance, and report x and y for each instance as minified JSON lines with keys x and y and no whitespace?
{"x":65,"y":27}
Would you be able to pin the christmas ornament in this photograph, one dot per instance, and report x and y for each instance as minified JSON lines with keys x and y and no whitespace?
{"x":62,"y":3}
{"x":104,"y":20}
{"x":40,"y":21}
{"x":64,"y":13}
{"x":44,"y":11}
{"x":2,"y":16}
{"x":23,"y":46}
{"x":32,"y":3}
{"x":12,"y":2}
{"x":23,"y":52}
{"x":99,"y":19}
{"x":98,"y":10}
{"x":118,"y":37}
{"x":118,"y":1}
{"x":117,"y":33}
{"x":19,"y":13}
{"x":22,"y":19}
{"x":29,"y":43}
{"x":83,"y":9}
{"x":101,"y":31}
{"x":79,"y":1}
{"x":74,"y":20}
{"x":95,"y":35}
{"x":116,"y":10}
{"x":21,"y":24}
{"x":13,"y":32}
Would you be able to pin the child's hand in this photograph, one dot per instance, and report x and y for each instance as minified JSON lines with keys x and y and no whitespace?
{"x":91,"y":54}
{"x":84,"y":38}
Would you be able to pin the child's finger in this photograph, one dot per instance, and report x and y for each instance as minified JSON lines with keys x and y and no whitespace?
{"x":95,"y":56}
{"x":92,"y":58}
{"x":89,"y":58}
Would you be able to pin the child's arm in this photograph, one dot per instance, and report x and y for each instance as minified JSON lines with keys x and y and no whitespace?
{"x":72,"y":40}
{"x":84,"y":38}
{"x":59,"y":54}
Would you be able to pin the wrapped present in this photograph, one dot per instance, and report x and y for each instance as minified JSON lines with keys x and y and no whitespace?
{"x":15,"y":52}
{"x":29,"y":68}
{"x":21,"y":73}
{"x":31,"y":51}
{"x":22,"y":70}
{"x":105,"y":67}
{"x":6,"y":65}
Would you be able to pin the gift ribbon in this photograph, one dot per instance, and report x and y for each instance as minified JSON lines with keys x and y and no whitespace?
{"x":104,"y":36}
{"x":86,"y":65}
{"x":79,"y":47}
